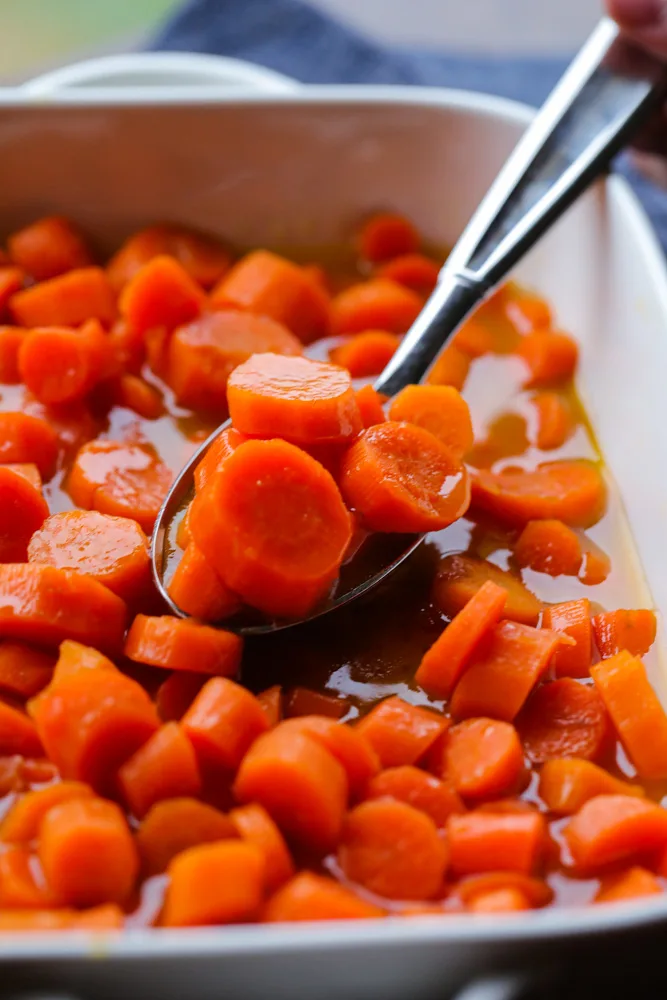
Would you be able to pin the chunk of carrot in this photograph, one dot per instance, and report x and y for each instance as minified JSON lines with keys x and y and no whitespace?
{"x":366,"y":353}
{"x":72,"y":424}
{"x":309,"y":897}
{"x":134,"y":393}
{"x":438,"y":799}
{"x":21,"y":886}
{"x":611,"y":828}
{"x":175,"y":695}
{"x":59,"y":364}
{"x":451,"y":367}
{"x":271,"y":701}
{"x":203,"y":257}
{"x":12,"y":280}
{"x":346,"y":744}
{"x":483,"y":759}
{"x":633,"y":631}
{"x":549,"y":356}
{"x":198,"y":590}
{"x":393,"y":850}
{"x":460,"y":577}
{"x":401,"y":733}
{"x":549,"y":547}
{"x":161,"y":294}
{"x":527,"y":312}
{"x":225,"y":443}
{"x":28,"y":439}
{"x":564,"y":719}
{"x":269,"y":285}
{"x":183,"y":535}
{"x":24,"y":671}
{"x":175,"y":644}
{"x":11,"y":338}
{"x":635,"y":883}
{"x":49,"y":247}
{"x":439,"y":409}
{"x":173,"y":826}
{"x":274,"y":527}
{"x":443,"y":664}
{"x":596,"y":566}
{"x":214,"y":884}
{"x":18,"y":733}
{"x":28,"y":470}
{"x":303,"y":701}
{"x":504,"y":672}
{"x":165,"y":767}
{"x":413,"y":270}
{"x":23,"y":510}
{"x":488,"y":842}
{"x":566,"y":784}
{"x":400,"y":478}
{"x":75,"y":657}
{"x":554,"y":421}
{"x":378,"y":304}
{"x":572,"y":618}
{"x":536,"y":891}
{"x":385,"y":236}
{"x":22,"y":823}
{"x":475,"y":339}
{"x":254,"y":825}
{"x":68,"y":300}
{"x":635,"y":710}
{"x":500,"y":901}
{"x":223,"y":722}
{"x":370,"y":405}
{"x":99,"y":918}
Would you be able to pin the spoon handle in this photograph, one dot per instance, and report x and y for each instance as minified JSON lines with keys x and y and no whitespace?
{"x":604,"y":97}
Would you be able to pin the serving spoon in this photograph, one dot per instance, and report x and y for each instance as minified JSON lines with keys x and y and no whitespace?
{"x":605,"y":96}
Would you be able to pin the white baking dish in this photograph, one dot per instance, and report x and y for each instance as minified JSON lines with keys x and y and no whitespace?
{"x":197,"y":143}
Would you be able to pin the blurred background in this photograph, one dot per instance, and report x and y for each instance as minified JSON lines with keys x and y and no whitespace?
{"x":42,"y":34}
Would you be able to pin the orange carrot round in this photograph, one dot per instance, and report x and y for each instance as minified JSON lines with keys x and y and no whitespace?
{"x":161,"y":293}
{"x":413,"y":270}
{"x":554,"y":421}
{"x":223,"y":722}
{"x":370,"y":405}
{"x":460,"y":577}
{"x":439,"y":409}
{"x":175,"y":644}
{"x":173,"y":826}
{"x":366,"y":353}
{"x":59,"y":364}
{"x":203,"y":257}
{"x":197,"y":589}
{"x":612,"y":828}
{"x":474,"y":339}
{"x":134,"y":393}
{"x":527,"y":312}
{"x":67,"y":300}
{"x":537,"y":892}
{"x":438,"y":799}
{"x":49,"y":247}
{"x":175,"y":695}
{"x":488,"y":842}
{"x":378,"y":304}
{"x":566,"y":784}
{"x":450,"y":368}
{"x":24,"y":671}
{"x":165,"y":767}
{"x":401,"y":733}
{"x":300,"y":701}
{"x":18,"y":734}
{"x":11,"y":338}
{"x":24,"y":438}
{"x":255,"y":826}
{"x":309,"y":897}
{"x":549,"y":356}
{"x":23,"y":510}
{"x":22,"y":884}
{"x":633,"y":631}
{"x":549,"y":547}
{"x":23,"y":821}
{"x":564,"y":719}
{"x":223,"y":446}
{"x":385,"y":236}
{"x":483,"y":758}
{"x":214,"y":884}
{"x":572,"y":618}
{"x":346,"y":744}
{"x":271,"y":701}
{"x":635,"y":883}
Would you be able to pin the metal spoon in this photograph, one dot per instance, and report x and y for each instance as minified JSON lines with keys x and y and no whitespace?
{"x":605,"y":96}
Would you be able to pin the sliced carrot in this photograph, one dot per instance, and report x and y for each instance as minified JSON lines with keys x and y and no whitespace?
{"x":11,"y":338}
{"x":161,"y":294}
{"x":68,"y":300}
{"x":46,"y":605}
{"x":489,"y":842}
{"x":304,"y":401}
{"x":309,"y":897}
{"x":165,"y":767}
{"x":134,"y":393}
{"x":302,"y":701}
{"x":504,"y":672}
{"x":22,"y":886}
{"x":450,"y":368}
{"x":567,"y":783}
{"x":537,"y":892}
{"x":549,"y":356}
{"x":569,"y":491}
{"x":99,"y":918}
{"x":474,"y":339}
{"x":549,"y":547}
{"x":400,"y":478}
{"x":254,"y":825}
{"x":378,"y":304}
{"x":72,"y":424}
{"x":274,"y":527}
{"x":438,"y":799}
{"x":198,"y":590}
{"x":633,"y":631}
{"x":28,"y":470}
{"x":443,"y":664}
{"x":483,"y":759}
{"x":214,"y":884}
{"x":225,"y":443}
{"x":203,"y":257}
{"x":87,"y":852}
{"x":12,"y":280}
{"x":183,"y":535}
{"x":105,"y":918}
{"x":401,"y":733}
{"x":500,"y":901}
{"x":596,"y":566}
{"x":75,"y":657}
{"x":564,"y":719}
{"x":18,"y":733}
{"x":175,"y":695}
{"x":370,"y":405}
{"x":112,"y":550}
{"x":393,"y":850}
{"x":203,"y":354}
{"x":385,"y":236}
{"x":439,"y":409}
{"x":27,"y":439}
{"x":269,"y":285}
{"x":49,"y":247}
{"x":317,"y":274}
{"x":59,"y":364}
{"x":506,"y":437}
{"x":611,"y":828}
{"x":635,"y":710}
{"x":413,"y":270}
{"x":635,"y":883}
{"x":23,"y":821}
{"x":271,"y":701}
{"x":223,"y":722}
{"x":528,"y":312}
{"x":346,"y":744}
{"x":24,"y":671}
{"x":366,"y":353}
{"x":23,"y":511}
{"x":554,"y":420}
{"x":174,"y":826}
{"x":156,"y":344}
{"x":175,"y":644}
{"x":460,"y":577}
{"x":573,"y":618}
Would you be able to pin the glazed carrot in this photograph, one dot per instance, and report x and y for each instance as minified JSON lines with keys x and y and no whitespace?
{"x":274,"y":526}
{"x":635,"y":883}
{"x":20,"y":885}
{"x":506,"y":437}
{"x":87,"y":852}
{"x":474,"y":339}
{"x":573,"y":618}
{"x":450,"y":368}
{"x":156,"y":346}
{"x":67,"y":300}
{"x":28,"y":470}
{"x":223,"y":722}
{"x":27,"y":439}
{"x":633,"y":631}
{"x":174,"y":826}
{"x":549,"y":356}
{"x":596,"y":566}
{"x":554,"y":421}
{"x":385,"y":236}
{"x":271,"y":701}
{"x":413,"y":270}
{"x":537,"y":892}
{"x":346,"y":744}
{"x":528,"y":312}
{"x":24,"y":671}
{"x":635,"y":710}
{"x":567,"y":783}
{"x":214,"y":884}
{"x":59,"y":364}
{"x":460,"y":577}
{"x":175,"y":644}
{"x":197,"y":589}
{"x":366,"y":353}
{"x":175,"y":695}
{"x":203,"y":257}
{"x":11,"y":282}
{"x":500,"y":901}
{"x":310,"y":897}
{"x":317,"y":274}
{"x":378,"y":304}
{"x":217,"y":455}
{"x":99,"y":918}
{"x":304,"y":401}
{"x":202,"y":355}
{"x":269,"y":285}
{"x":401,"y":733}
{"x":46,"y":605}
{"x":165,"y":767}
{"x":302,"y":701}
{"x":370,"y":405}
{"x":612,"y":828}
{"x":161,"y":294}
{"x":299,"y":783}
{"x":564,"y":719}
{"x":124,"y":480}
{"x":254,"y":825}
{"x":18,"y":733}
{"x":23,"y":821}
{"x":569,"y":491}
{"x":74,"y":657}
{"x":11,"y":338}
{"x":49,"y":247}
{"x":393,"y":850}
{"x":504,"y":671}
{"x":23,"y":510}
{"x":439,"y":409}
{"x":483,"y":759}
{"x":73,"y":424}
{"x":133,"y":393}
{"x":183,"y":535}
{"x":443,"y":664}
{"x":112,"y":550}
{"x":549,"y":547}
{"x":438,"y":799}
{"x":488,"y":842}
{"x":400,"y":478}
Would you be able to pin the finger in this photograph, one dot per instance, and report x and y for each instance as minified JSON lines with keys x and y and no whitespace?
{"x":643,"y":21}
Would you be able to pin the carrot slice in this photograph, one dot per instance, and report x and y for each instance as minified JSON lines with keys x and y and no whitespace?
{"x":175,"y":695}
{"x":161,"y":294}
{"x":633,"y":631}
{"x":401,"y":733}
{"x":271,"y":701}
{"x":573,"y":618}
{"x":274,"y":526}
{"x":443,"y":664}
{"x":28,"y":470}
{"x":18,"y":733}
{"x":24,"y":671}
{"x":439,"y":409}
{"x":564,"y":719}
{"x":165,"y":767}
{"x":20,"y":885}
{"x":460,"y":577}
{"x":27,"y":439}
{"x":99,"y":918}
{"x":549,"y":547}
{"x":175,"y":644}
{"x":49,"y":247}
{"x":11,"y":338}
{"x":23,"y":510}
{"x":537,"y":892}
{"x":183,"y":535}
{"x":198,"y":590}
{"x":214,"y":884}
{"x":438,"y":799}
{"x":413,"y":270}
{"x":505,"y":670}
{"x":223,"y":722}
{"x":596,"y":566}
{"x":255,"y":826}
{"x":474,"y":339}
{"x":635,"y":883}
{"x":387,"y":235}
{"x":554,"y":421}
{"x":569,"y":491}
{"x":75,"y":657}
{"x":567,"y":783}
{"x":59,"y":365}
{"x":223,"y":446}
{"x":370,"y":405}
{"x":635,"y":710}
{"x":174,"y":826}
{"x":133,"y":393}
{"x":450,"y":368}
{"x":500,"y":901}
{"x":301,"y":701}
{"x":68,"y":300}
{"x":87,"y":852}
{"x":203,"y":257}
{"x":393,"y":850}
{"x":367,"y":353}
{"x":400,"y":478}
{"x":483,"y":759}
{"x":269,"y":285}
{"x":489,"y":842}
{"x":304,"y":401}
{"x":203,"y":354}
{"x":378,"y":304}
{"x":23,"y":821}
{"x":346,"y":744}
{"x":612,"y":828}
{"x":549,"y":356}
{"x":309,"y":897}
{"x":528,"y":312}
